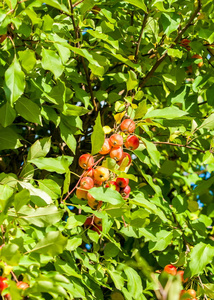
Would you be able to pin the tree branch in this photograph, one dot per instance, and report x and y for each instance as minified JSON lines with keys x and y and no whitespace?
{"x":179,"y":145}
{"x":77,"y":3}
{"x":181,"y":32}
{"x":140,"y":36}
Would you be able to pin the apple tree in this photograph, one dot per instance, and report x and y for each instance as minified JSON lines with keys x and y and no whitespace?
{"x":106,"y":149}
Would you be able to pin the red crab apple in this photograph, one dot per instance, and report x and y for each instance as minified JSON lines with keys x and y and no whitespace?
{"x":122,"y":182}
{"x":106,"y":147}
{"x":87,"y":183}
{"x":3,"y":283}
{"x":86,"y":161}
{"x":101,"y":174}
{"x":22,"y":285}
{"x":170,"y":269}
{"x":97,"y":228}
{"x":128,"y":125}
{"x":116,"y":140}
{"x":125,"y":191}
{"x":181,"y":273}
{"x":123,"y":157}
{"x":132,"y":142}
{"x":116,"y":153}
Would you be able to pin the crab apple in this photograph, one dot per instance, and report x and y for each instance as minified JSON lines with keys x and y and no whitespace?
{"x":116,"y":140}
{"x":113,"y":184}
{"x":106,"y":147}
{"x":191,"y":292}
{"x":97,"y":221}
{"x":94,"y":204}
{"x":128,"y":125}
{"x":89,"y":172}
{"x":132,"y":142}
{"x":200,"y":64}
{"x":81,"y":194}
{"x":170,"y":269}
{"x":122,"y":182}
{"x":22,"y":285}
{"x":181,"y":273}
{"x":123,"y":157}
{"x":87,"y":183}
{"x":97,"y":183}
{"x":86,"y":161}
{"x":116,"y":153}
{"x":125,"y":191}
{"x":101,"y":174}
{"x":97,"y":228}
{"x":88,"y":222}
{"x":3,"y":283}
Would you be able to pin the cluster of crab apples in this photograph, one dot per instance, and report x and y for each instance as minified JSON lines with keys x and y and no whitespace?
{"x":189,"y":294}
{"x":4,"y":284}
{"x":96,"y":176}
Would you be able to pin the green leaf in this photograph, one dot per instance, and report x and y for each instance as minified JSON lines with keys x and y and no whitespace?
{"x":164,"y":238}
{"x":152,"y":151}
{"x":10,"y":254}
{"x":52,"y":62}
{"x":6,"y":193}
{"x":138,"y":3}
{"x":208,"y":123}
{"x":74,"y":110}
{"x":111,"y":250}
{"x":201,"y":255}
{"x":59,"y":165}
{"x":68,"y":137}
{"x":132,"y":81}
{"x":28,"y":110}
{"x":56,"y":4}
{"x":7,"y":115}
{"x":117,"y":279}
{"x":166,"y":113}
{"x":52,"y":244}
{"x":40,"y":148}
{"x":141,"y":110}
{"x":104,"y":37}
{"x":174,"y":52}
{"x":87,"y":5}
{"x":21,"y":199}
{"x":9,"y":139}
{"x":14,"y":81}
{"x":98,"y":136}
{"x":134,"y":284}
{"x":107,"y":195}
{"x":203,"y":186}
{"x":50,"y":187}
{"x":28,"y":59}
{"x":41,"y":217}
{"x":39,"y":197}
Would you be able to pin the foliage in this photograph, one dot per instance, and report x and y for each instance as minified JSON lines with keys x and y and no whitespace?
{"x":70,"y":73}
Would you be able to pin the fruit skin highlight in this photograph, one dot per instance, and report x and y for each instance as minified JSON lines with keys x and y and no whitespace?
{"x":128,"y":125}
{"x":86,"y":183}
{"x":3,"y":283}
{"x":86,"y":161}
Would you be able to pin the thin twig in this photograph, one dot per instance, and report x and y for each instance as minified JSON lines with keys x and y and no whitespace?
{"x":205,"y":296}
{"x":77,"y":3}
{"x":181,"y":32}
{"x":179,"y":145}
{"x":124,"y":222}
{"x":141,"y":34}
